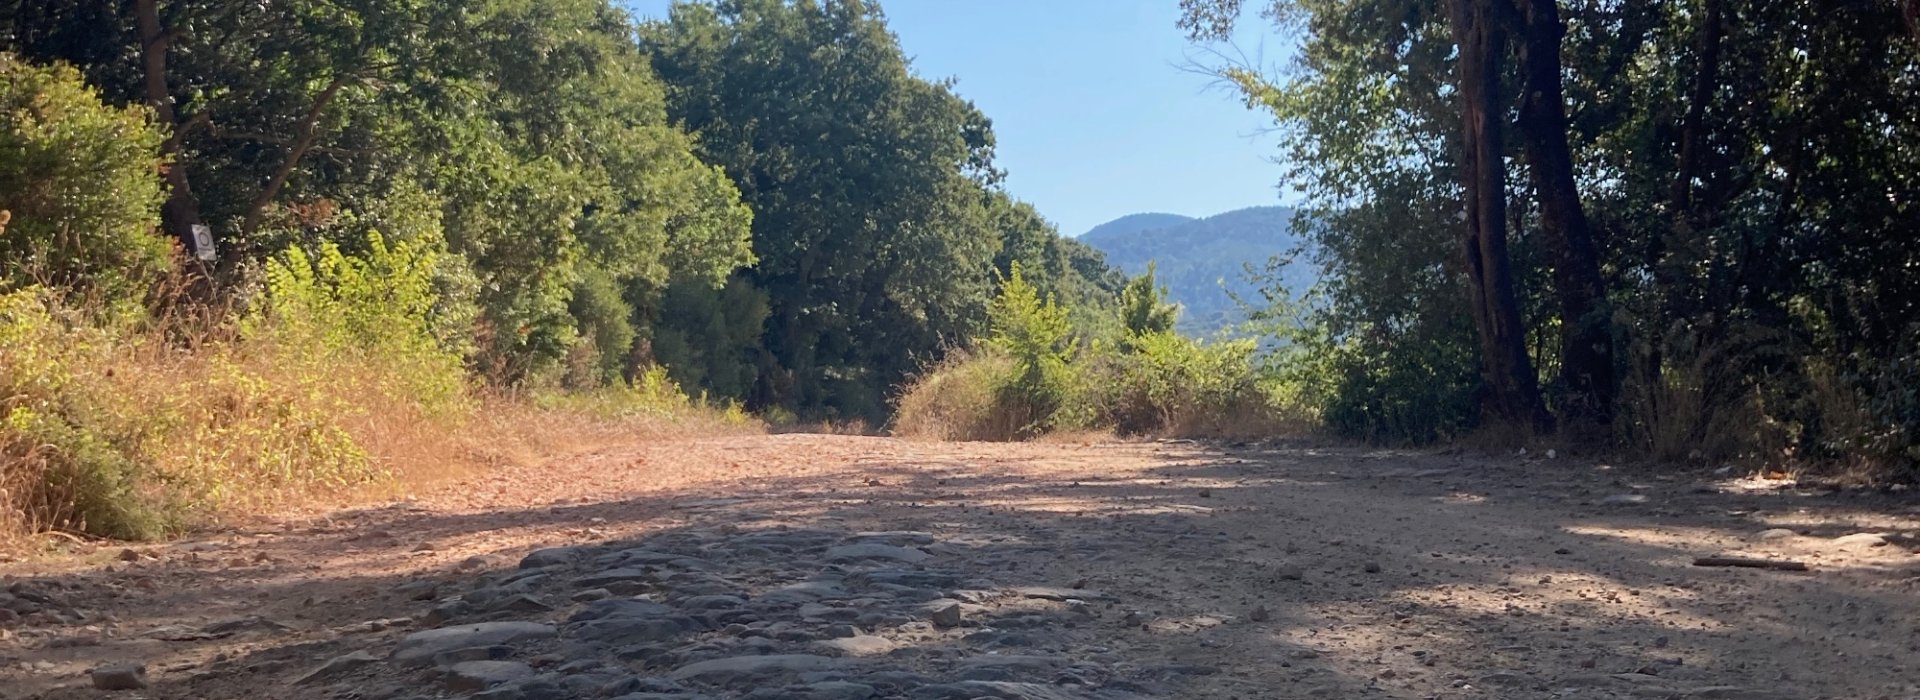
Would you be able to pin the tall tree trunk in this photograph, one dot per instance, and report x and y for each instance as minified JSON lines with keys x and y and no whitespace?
{"x":1706,"y":75}
{"x":1586,"y":336}
{"x":1513,"y":389}
{"x":182,"y":210}
{"x":1669,"y":278}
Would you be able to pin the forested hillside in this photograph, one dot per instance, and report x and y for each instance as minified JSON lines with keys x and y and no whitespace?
{"x":1211,"y":265}
{"x":355,"y":223}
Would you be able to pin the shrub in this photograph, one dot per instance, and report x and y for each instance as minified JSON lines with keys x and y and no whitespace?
{"x":79,"y":181}
{"x":373,"y":310}
{"x":118,"y":428}
{"x":1036,"y":336}
{"x":67,"y":456}
{"x":961,"y":399}
{"x":1403,"y":391}
{"x":1030,"y":378}
{"x":1173,"y":385}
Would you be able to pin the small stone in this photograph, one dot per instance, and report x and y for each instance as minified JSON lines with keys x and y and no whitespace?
{"x":858,"y":645}
{"x":420,"y":647}
{"x":419,"y":590}
{"x":857,"y":552}
{"x":733,"y":669}
{"x":337,"y":666}
{"x":553,"y":556}
{"x":1372,"y":567}
{"x":1861,"y":539}
{"x":1624,"y":499}
{"x":520,"y":603}
{"x":947,"y":615}
{"x":633,"y":630}
{"x":1260,"y":614}
{"x":1778,"y":533}
{"x":1058,"y":594}
{"x":592,"y":594}
{"x":124,"y":676}
{"x":1206,"y":493}
{"x":478,"y":561}
{"x":1290,"y":573}
{"x":471,"y":676}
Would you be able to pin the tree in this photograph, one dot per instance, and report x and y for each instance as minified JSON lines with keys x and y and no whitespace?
{"x":1480,"y":33}
{"x":1144,"y":309}
{"x":1733,"y":166}
{"x":869,"y":187}
{"x":1586,"y":335}
{"x":77,"y":187}
{"x":533,"y":134}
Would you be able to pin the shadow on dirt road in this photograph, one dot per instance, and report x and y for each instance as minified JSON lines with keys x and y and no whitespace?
{"x":843,"y":567}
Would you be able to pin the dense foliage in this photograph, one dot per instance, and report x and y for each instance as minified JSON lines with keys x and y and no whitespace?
{"x":1745,"y":172}
{"x":384,"y":212}
{"x":1037,"y":372}
{"x":77,"y":186}
{"x":529,"y":139}
{"x":878,"y":224}
{"x":547,"y":151}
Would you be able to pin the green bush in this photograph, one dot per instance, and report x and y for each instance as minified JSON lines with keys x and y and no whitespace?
{"x":1402,"y":393}
{"x":376,"y":308}
{"x":1037,"y":337}
{"x":1169,"y":384}
{"x":1030,"y":377}
{"x":709,"y":339}
{"x":961,"y":399}
{"x":68,"y":459}
{"x":80,"y":181}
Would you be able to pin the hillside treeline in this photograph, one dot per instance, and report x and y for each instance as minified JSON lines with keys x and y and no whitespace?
{"x":759,"y":195}
{"x":251,"y":251}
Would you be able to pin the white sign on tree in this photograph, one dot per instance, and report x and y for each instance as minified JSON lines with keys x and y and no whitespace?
{"x":203,"y":243}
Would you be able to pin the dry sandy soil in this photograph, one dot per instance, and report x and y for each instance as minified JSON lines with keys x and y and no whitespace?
{"x":1170,"y":569}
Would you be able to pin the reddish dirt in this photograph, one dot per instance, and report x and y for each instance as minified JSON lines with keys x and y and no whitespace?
{"x":1284,"y":570}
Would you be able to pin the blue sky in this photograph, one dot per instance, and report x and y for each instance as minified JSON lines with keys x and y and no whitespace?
{"x":1094,"y":115}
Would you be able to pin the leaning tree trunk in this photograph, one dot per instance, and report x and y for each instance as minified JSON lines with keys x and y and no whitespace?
{"x":1513,"y":392}
{"x":181,"y":212}
{"x":1586,"y":336}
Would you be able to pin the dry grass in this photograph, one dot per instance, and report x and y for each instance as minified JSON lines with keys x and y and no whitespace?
{"x":1693,"y":404}
{"x":141,"y":429}
{"x":959,"y":400}
{"x":966,"y":398}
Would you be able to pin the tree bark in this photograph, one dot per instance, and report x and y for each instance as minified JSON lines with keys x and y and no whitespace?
{"x":181,"y":212}
{"x":1706,"y":76}
{"x":1586,"y":335}
{"x":303,"y":142}
{"x":1513,"y":391}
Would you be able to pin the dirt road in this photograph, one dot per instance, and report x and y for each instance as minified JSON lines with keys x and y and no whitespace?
{"x":811,"y":566}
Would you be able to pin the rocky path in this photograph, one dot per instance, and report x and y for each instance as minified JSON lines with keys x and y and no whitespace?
{"x":808,"y":566}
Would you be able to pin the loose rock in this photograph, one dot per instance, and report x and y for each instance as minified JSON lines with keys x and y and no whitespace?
{"x":123,"y":676}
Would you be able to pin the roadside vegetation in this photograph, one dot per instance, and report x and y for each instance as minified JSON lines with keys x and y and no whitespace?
{"x":252,"y":253}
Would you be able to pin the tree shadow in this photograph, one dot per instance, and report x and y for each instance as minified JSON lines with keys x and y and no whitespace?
{"x":1173,"y":570}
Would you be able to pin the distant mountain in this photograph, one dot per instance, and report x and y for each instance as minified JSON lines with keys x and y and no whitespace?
{"x":1199,"y":260}
{"x":1131,"y":224}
